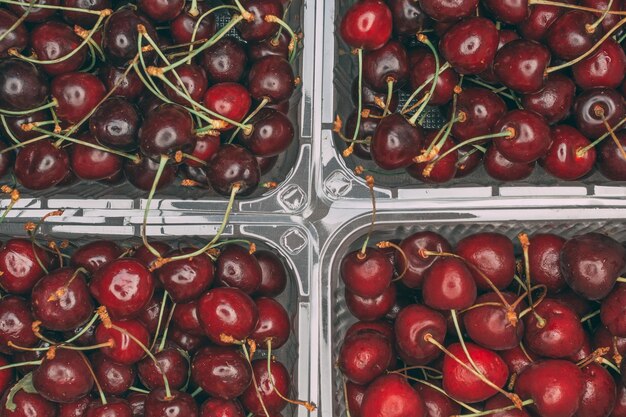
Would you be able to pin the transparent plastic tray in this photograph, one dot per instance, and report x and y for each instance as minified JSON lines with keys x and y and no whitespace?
{"x":343,"y":231}
{"x":336,"y":179}
{"x":293,"y":242}
{"x":291,"y":172}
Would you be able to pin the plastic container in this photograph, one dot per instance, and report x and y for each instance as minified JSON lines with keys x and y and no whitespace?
{"x":293,"y":242}
{"x":343,"y":231}
{"x":292,"y":170}
{"x":336,"y":179}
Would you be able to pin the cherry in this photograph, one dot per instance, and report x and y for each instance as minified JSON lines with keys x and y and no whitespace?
{"x":76,"y":408}
{"x":517,"y":359}
{"x":367,"y":127}
{"x":225,"y":61}
{"x":171,"y":362}
{"x":529,"y":137}
{"x":602,"y":338}
{"x":14,"y":124}
{"x":470,"y":45}
{"x":186,"y":318}
{"x":124,"y":350}
{"x":612,"y":311}
{"x":364,"y":356}
{"x":41,"y":165}
{"x":6,"y":375}
{"x":620,"y":403}
{"x":609,"y":20}
{"x":178,"y":404}
{"x":555,"y":386}
{"x":143,"y":173}
{"x":580,"y":305}
{"x":481,"y":109}
{"x":22,"y":85}
{"x":604,"y":68}
{"x":271,"y":78}
{"x":383,"y":327}
{"x":230,"y":100}
{"x":188,"y":342}
{"x":438,"y":170}
{"x":354,"y":398}
{"x":544,"y":261}
{"x":370,"y":309}
{"x":412,"y":324}
{"x":508,"y":11}
{"x":205,"y":148}
{"x":422,"y":68}
{"x":137,"y":401}
{"x":449,"y":285}
{"x":568,"y":37}
{"x":369,"y":99}
{"x":366,"y":24}
{"x":227,"y":315}
{"x":143,"y":254}
{"x":272,"y":133}
{"x":593,"y":107}
{"x":149,"y":315}
{"x":115,"y":123}
{"x":391,"y":396}
{"x":232,"y":165}
{"x":563,"y":159}
{"x":500,"y":168}
{"x":37,"y":14}
{"x":491,"y":253}
{"x":436,"y":404}
{"x":611,"y":161}
{"x":120,"y":35}
{"x":489,"y":326}
{"x":77,"y":93}
{"x":498,"y":402}
{"x":273,"y":274}
{"x":161,"y":11}
{"x":186,"y":279}
{"x":129,"y":86}
{"x":538,"y":22}
{"x":591,"y":264}
{"x":82,"y":19}
{"x":448,"y":11}
{"x":20,"y":265}
{"x":114,"y":408}
{"x":124,"y":286}
{"x":65,"y":377}
{"x":194,"y":83}
{"x":384,"y":65}
{"x":89,"y":163}
{"x":366,"y":274}
{"x":599,"y":392}
{"x":395,"y":142}
{"x":166,"y":131}
{"x":554,"y":101}
{"x":215,"y":407}
{"x":17,"y":38}
{"x":114,"y":378}
{"x":53,"y":41}
{"x":222,"y":372}
{"x":504,"y":36}
{"x":266,"y":391}
{"x":416,"y":264}
{"x":94,"y":255}
{"x":29,"y":405}
{"x":259,"y":28}
{"x":183,"y":26}
{"x":273,"y":325}
{"x":521,"y":65}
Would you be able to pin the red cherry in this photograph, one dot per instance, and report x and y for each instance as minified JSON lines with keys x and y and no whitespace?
{"x":77,"y":94}
{"x":449,"y":285}
{"x":186,"y":279}
{"x":391,"y":396}
{"x":366,"y":274}
{"x":544,"y":261}
{"x":16,"y":322}
{"x":568,"y":37}
{"x":273,"y":324}
{"x":563,"y":159}
{"x":171,"y":362}
{"x":124,"y":350}
{"x":54,"y":40}
{"x":114,"y":378}
{"x":498,"y":402}
{"x":370,"y":309}
{"x":554,"y":101}
{"x":395,"y":142}
{"x":41,"y":165}
{"x":489,"y":325}
{"x":227,"y":315}
{"x":529,"y":138}
{"x":448,"y":11}
{"x":481,"y":109}
{"x":230,"y":100}
{"x":412,"y":324}
{"x":491,"y":253}
{"x":273,"y":274}
{"x":222,"y":408}
{"x":19,"y":263}
{"x":94,"y":255}
{"x":416,"y":264}
{"x":538,"y":22}
{"x":599,"y":392}
{"x":266,"y":391}
{"x":521,"y":65}
{"x":354,"y":394}
{"x":364,"y":356}
{"x":500,"y":168}
{"x":470,"y":45}
{"x":422,"y":68}
{"x":259,"y":28}
{"x":611,"y":161}
{"x":366,"y":24}
{"x":604,"y":68}
{"x":508,"y":11}
{"x":613,"y":311}
{"x":17,"y":38}
{"x":593,"y":107}
{"x":237,"y":267}
{"x":63,"y":377}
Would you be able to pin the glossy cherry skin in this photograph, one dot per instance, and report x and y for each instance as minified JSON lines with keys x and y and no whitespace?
{"x":366,"y":24}
{"x":504,"y":36}
{"x":448,"y":11}
{"x":37,"y":14}
{"x":468,"y":161}
{"x":385,"y":64}
{"x":143,"y":254}
{"x":366,"y":274}
{"x":273,"y":326}
{"x":416,"y":264}
{"x":77,"y":408}
{"x":395,"y":142}
{"x":225,"y":61}
{"x":171,"y":362}
{"x":137,"y":402}
{"x":186,"y":279}
{"x":230,"y":100}
{"x":611,"y":162}
{"x":560,"y":337}
{"x":114,"y":378}
{"x":64,"y":378}
{"x":85,"y":20}
{"x":180,"y":404}
{"x":227,"y":313}
{"x":237,"y":267}
{"x":517,"y":359}
{"x":612,"y":311}
{"x":568,"y":37}
{"x":129,"y":85}
{"x":392,"y":396}
{"x":439,"y":170}
{"x":94,"y":255}
{"x":529,"y":138}
{"x":544,"y":260}
{"x":470,"y":45}
{"x":28,"y":405}
{"x":489,"y":326}
{"x":449,"y":285}
{"x":89,"y":163}
{"x":609,"y":20}
{"x":370,"y":309}
{"x":124,"y":286}
{"x":367,"y":128}
{"x":481,"y":109}
{"x":604,"y":68}
{"x":271,"y":78}
{"x":15,"y":323}
{"x":215,"y":407}
{"x":222,"y":372}
{"x":17,"y":38}
{"x":491,"y":253}
{"x":232,"y":165}
{"x":463,"y":385}
{"x":19,"y":265}
{"x":72,"y":308}
{"x":258,"y":28}
{"x":143,"y":173}
{"x":166,"y":130}
{"x":114,"y":408}
{"x":273,"y":274}
{"x":602,"y":338}
{"x":562,"y":159}
{"x":7,"y":376}
{"x":508,"y":11}
{"x":54,"y":40}
{"x":371,"y":99}
{"x":620,"y":404}
{"x":436,"y":404}
{"x":188,"y":342}
{"x":538,"y":22}
{"x":272,"y":133}
{"x":22,"y":85}
{"x":422,"y":68}
{"x":186,"y":318}
{"x":161,"y":11}
{"x":205,"y":148}
{"x":182,"y":27}
{"x":194,"y":83}
{"x":560,"y":397}
{"x":77,"y":93}
{"x":498,"y":402}
{"x":521,"y":65}
{"x":500,"y":168}
{"x":592,"y":106}
{"x":124,"y":350}
{"x":115,"y":123}
{"x":411,"y":325}
{"x":554,"y":101}
{"x":365,"y":356}
{"x":408,"y":17}
{"x":266,"y":390}
{"x":599,"y":393}
{"x":41,"y":165}
{"x":120,"y":35}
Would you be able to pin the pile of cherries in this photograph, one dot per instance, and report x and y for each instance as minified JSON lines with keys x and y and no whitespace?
{"x":522,"y":82}
{"x":112,"y":331}
{"x":103,"y":90}
{"x":472,"y":330}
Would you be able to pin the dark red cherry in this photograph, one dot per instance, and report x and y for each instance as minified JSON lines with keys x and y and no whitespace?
{"x":365,"y":356}
{"x":366,"y":274}
{"x":438,"y":170}
{"x":408,"y":17}
{"x":491,"y":253}
{"x":559,"y":335}
{"x":222,"y":372}
{"x":20,"y":266}
{"x":186,"y":279}
{"x":366,"y":24}
{"x":500,"y":168}
{"x":479,"y":109}
{"x":124,"y":349}
{"x":188,"y":342}
{"x":29,"y":405}
{"x":563,"y":159}
{"x":396,"y":142}
{"x":77,"y":94}
{"x":124,"y":286}
{"x":271,"y":78}
{"x":416,"y":264}
{"x":94,"y":255}
{"x":237,"y":267}
{"x":561,"y":396}
{"x":259,"y":28}
{"x":568,"y":37}
{"x":15,"y":323}
{"x":372,"y":99}
{"x":391,"y":396}
{"x":599,"y":392}
{"x":179,"y":404}
{"x":64,"y":377}
{"x":120,"y":35}
{"x":608,"y":20}
{"x":143,"y":173}
{"x":194,"y":84}
{"x":89,"y":163}
{"x":271,"y":46}
{"x":7,"y":376}
{"x":205,"y":148}
{"x":17,"y":38}
{"x":273,"y":324}
{"x":384,"y":327}
{"x":604,"y":68}
{"x":225,"y":61}
{"x":370,"y":309}
{"x":183,"y":27}
{"x":149,"y":315}
{"x":386,"y":64}
{"x":449,"y":285}
{"x":612,"y":311}
{"x":544,"y":261}
{"x":498,"y":402}
{"x":266,"y":391}
{"x":227,"y":315}
{"x":517,"y":359}
{"x":137,"y":402}
{"x":115,"y":123}
{"x":114,"y":378}
{"x":620,"y":404}
{"x":272,"y":133}
{"x":593,"y":107}
{"x":422,"y":68}
{"x":171,"y":362}
{"x":113,"y":408}
{"x":36,"y":14}
{"x":85,"y":20}
{"x":76,"y":408}
{"x":165,"y":131}
{"x":412,"y":324}
{"x":468,"y":161}
{"x":14,"y":124}
{"x":602,"y":338}
{"x":215,"y":407}
{"x":611,"y":161}
{"x":521,"y":65}
{"x":504,"y":36}
{"x":538,"y":22}
{"x":54,"y":41}
{"x":129,"y":85}
{"x":580,"y":305}
{"x":22,"y":85}
{"x":448,"y":11}
{"x":463,"y":385}
{"x":230,"y":100}
{"x":162,"y":10}
{"x":512,"y":12}
{"x":554,"y":101}
{"x":143,"y":254}
{"x":591,"y":264}
{"x":436,"y":403}
{"x":366,"y":130}
{"x":470,"y":45}
{"x":273,"y":274}
{"x":232,"y":165}
{"x":490,"y":326}
{"x":529,"y":139}
{"x":41,"y":165}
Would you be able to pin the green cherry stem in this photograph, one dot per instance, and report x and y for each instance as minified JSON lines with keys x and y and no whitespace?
{"x":422,"y":38}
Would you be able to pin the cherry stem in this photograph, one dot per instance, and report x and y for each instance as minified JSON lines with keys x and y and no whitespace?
{"x":621,"y":279}
{"x":292,"y":42}
{"x":610,"y":365}
{"x":310,"y":407}
{"x":497,"y":410}
{"x":506,"y":134}
{"x":459,"y":334}
{"x":370,"y":185}
{"x":422,"y":38}
{"x":525,"y":242}
{"x":196,"y":392}
{"x":491,"y":87}
{"x":162,"y":163}
{"x":614,"y":137}
{"x":606,"y":36}
{"x":249,"y":127}
{"x":540,"y":321}
{"x":345,"y":397}
{"x":103,"y":397}
{"x":415,"y":92}
{"x":592,"y":27}
{"x":196,"y":26}
{"x":140,"y":390}
{"x":53,"y":103}
{"x":256,"y":386}
{"x":589,"y":316}
{"x":359,"y":52}
{"x":582,"y":151}
{"x":438,"y":141}
{"x":387,"y":244}
{"x":390,"y":83}
{"x":167,"y":327}
{"x":160,"y":321}
{"x":574,"y":6}
{"x":83,"y":330}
